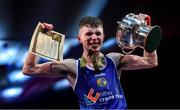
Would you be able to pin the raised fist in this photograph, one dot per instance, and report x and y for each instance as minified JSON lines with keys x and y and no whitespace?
{"x":47,"y":26}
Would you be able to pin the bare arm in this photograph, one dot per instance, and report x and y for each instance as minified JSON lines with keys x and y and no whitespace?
{"x":62,"y":69}
{"x":148,"y":60}
{"x":133,"y":62}
{"x":49,"y":69}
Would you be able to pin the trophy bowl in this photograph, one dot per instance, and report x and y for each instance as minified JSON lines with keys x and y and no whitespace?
{"x":133,"y":32}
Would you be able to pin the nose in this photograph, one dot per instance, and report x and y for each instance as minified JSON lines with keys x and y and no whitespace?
{"x":94,"y":37}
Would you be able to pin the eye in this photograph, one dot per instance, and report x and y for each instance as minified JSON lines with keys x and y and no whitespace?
{"x":89,"y":33}
{"x":98,"y":33}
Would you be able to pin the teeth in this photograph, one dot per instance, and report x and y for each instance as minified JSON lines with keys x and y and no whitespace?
{"x":94,"y":47}
{"x":94,"y":43}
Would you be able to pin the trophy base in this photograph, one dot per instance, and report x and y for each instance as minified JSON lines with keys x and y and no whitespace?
{"x":153,"y":39}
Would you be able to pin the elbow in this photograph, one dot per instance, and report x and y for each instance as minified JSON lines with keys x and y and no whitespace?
{"x":153,"y":65}
{"x":156,"y":64}
{"x":152,"y":62}
{"x":27,"y":71}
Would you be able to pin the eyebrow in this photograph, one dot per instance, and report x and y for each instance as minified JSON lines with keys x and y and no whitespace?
{"x":91,"y":32}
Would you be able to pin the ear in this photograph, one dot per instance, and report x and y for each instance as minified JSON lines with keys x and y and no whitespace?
{"x":79,"y":38}
{"x":103,"y":37}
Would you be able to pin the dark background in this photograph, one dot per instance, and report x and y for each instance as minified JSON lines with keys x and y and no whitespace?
{"x":149,"y":88}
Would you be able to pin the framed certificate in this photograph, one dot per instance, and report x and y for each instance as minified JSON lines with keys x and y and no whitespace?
{"x":47,"y":44}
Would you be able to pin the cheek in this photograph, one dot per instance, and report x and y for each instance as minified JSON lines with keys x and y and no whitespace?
{"x":88,"y":40}
{"x":84,"y":42}
{"x":81,"y":40}
{"x":101,"y":39}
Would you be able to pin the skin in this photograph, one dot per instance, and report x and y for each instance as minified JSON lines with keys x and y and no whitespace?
{"x":90,"y":38}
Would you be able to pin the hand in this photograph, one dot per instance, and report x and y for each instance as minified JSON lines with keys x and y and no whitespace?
{"x":47,"y":27}
{"x":145,"y":17}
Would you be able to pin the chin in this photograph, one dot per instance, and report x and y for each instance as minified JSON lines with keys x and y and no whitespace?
{"x":96,"y":50}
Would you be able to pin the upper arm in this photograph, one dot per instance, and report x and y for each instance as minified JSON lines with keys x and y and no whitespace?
{"x":51,"y":68}
{"x":133,"y":62}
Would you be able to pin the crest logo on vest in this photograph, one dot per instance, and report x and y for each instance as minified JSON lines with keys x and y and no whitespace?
{"x":101,"y":82}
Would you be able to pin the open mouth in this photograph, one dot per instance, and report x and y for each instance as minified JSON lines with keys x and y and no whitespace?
{"x":94,"y":46}
{"x":94,"y":43}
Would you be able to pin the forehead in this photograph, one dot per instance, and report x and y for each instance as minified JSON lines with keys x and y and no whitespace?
{"x":85,"y":29}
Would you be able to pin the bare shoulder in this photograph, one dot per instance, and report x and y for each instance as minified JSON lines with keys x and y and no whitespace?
{"x":115,"y":57}
{"x":70,"y":64}
{"x":114,"y":54}
{"x":69,"y":61}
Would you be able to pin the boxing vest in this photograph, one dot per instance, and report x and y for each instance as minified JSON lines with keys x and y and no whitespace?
{"x":100,"y":90}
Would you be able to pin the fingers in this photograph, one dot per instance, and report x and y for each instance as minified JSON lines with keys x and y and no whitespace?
{"x":142,"y":16}
{"x":46,"y":26}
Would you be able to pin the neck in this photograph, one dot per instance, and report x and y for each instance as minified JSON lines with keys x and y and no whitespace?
{"x":94,"y":60}
{"x":88,"y":56}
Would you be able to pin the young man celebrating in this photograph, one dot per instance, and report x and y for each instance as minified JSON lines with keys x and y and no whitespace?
{"x":94,"y":77}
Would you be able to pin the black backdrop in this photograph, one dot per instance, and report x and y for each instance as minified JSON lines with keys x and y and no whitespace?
{"x":150,"y":88}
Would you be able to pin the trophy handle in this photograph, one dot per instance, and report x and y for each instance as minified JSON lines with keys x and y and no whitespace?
{"x":125,"y":52}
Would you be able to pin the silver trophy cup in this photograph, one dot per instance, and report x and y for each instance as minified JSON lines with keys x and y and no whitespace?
{"x":133,"y":32}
